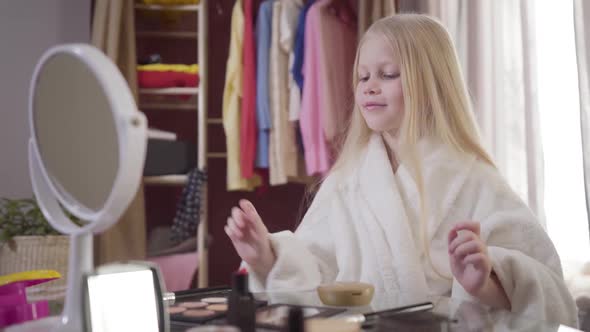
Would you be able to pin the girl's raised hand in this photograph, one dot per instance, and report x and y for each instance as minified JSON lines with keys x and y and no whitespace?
{"x":250,"y":237}
{"x":468,"y":256}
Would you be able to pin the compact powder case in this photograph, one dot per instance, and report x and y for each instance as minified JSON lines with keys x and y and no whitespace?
{"x":201,"y":306}
{"x":346,"y":293}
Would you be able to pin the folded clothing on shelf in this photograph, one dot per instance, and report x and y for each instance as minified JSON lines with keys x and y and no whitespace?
{"x":158,"y":75}
{"x":165,"y":157}
{"x":170,"y":2}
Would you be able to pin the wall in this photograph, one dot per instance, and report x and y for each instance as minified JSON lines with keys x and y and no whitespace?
{"x":27,"y":29}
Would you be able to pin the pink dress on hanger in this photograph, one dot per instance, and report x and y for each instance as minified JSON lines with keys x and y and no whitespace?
{"x":327,"y":99}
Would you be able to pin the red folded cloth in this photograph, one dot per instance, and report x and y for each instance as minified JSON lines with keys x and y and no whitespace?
{"x":166,"y":79}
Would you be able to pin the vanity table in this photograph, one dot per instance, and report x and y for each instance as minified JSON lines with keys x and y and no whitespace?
{"x":462,"y":315}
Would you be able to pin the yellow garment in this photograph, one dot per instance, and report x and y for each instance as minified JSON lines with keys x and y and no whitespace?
{"x":170,"y":2}
{"x":232,"y":93}
{"x":29,"y":275}
{"x":189,"y":69}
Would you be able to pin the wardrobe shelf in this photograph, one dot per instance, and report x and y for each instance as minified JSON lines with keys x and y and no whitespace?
{"x":170,"y":91}
{"x":186,"y":41}
{"x":181,"y":8}
{"x":175,"y":107}
{"x":168,"y":34}
{"x":171,"y":180}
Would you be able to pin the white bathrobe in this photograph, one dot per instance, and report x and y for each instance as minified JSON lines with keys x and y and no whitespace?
{"x":365,"y":227}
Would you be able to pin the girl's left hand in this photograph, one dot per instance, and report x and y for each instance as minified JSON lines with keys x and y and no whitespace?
{"x":468,"y":256}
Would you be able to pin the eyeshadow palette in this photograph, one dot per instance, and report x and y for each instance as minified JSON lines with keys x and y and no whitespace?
{"x":416,"y":321}
{"x":201,"y":305}
{"x":275,"y":316}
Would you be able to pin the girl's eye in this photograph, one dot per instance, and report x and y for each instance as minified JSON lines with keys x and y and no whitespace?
{"x":390,"y":76}
{"x":364,"y":78}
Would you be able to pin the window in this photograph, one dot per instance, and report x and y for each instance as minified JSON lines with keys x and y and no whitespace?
{"x":557,"y":77}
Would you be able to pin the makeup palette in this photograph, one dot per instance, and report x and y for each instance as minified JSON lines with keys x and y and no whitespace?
{"x":201,"y":305}
{"x":275,"y":316}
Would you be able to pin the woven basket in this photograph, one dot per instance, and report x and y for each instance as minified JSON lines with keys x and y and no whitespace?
{"x":25,"y":253}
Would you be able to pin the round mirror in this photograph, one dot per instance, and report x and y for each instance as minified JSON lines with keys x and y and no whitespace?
{"x":88,"y":140}
{"x":86,"y":153}
{"x":75,"y":132}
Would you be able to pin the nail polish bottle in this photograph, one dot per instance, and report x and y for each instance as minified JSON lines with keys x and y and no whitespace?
{"x":241,"y":304}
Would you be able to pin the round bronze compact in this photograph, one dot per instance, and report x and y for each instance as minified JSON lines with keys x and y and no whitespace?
{"x":346,"y":293}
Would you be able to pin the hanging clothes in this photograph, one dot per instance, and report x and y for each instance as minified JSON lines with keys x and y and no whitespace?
{"x":188,"y":211}
{"x":317,"y":158}
{"x":298,"y":54}
{"x":371,"y":11}
{"x":338,"y":52}
{"x":290,"y":11}
{"x":248,"y":115}
{"x":232,"y":95}
{"x":330,"y":43}
{"x":263,"y":117}
{"x":283,"y":148}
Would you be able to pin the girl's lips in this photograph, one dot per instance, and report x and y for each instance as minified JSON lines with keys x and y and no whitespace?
{"x":373,"y":106}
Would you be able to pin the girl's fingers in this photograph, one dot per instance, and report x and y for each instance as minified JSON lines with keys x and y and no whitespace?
{"x":462,"y":237}
{"x":478,"y":260}
{"x":234,"y":229}
{"x":229,"y":233}
{"x":465,"y":249}
{"x":239,"y":217}
{"x":468,"y":226}
{"x":252,"y":214}
{"x":452,"y":235}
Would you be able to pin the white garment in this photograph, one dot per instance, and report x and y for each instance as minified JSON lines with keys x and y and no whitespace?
{"x":289,"y":15}
{"x":363,"y":227}
{"x":283,"y":155}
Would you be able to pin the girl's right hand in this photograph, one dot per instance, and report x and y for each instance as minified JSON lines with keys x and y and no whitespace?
{"x":250,"y":238}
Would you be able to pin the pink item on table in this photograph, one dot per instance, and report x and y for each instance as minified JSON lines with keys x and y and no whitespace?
{"x":177,"y":269}
{"x":14,"y":307}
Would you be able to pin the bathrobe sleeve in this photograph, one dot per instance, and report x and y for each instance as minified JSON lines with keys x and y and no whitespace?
{"x":523,"y":257}
{"x":307,"y":257}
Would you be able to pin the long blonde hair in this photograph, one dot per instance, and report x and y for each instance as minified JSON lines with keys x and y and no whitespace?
{"x":436,"y":101}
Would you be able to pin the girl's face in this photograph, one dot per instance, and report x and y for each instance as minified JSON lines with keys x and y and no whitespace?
{"x":379,"y":88}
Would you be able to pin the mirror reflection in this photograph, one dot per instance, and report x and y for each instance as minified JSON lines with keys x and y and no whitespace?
{"x":75,"y":131}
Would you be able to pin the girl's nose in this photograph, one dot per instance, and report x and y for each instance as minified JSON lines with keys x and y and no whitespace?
{"x":372,"y":89}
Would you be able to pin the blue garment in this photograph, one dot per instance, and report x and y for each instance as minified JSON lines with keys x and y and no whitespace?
{"x":263,"y":40}
{"x":299,"y":46}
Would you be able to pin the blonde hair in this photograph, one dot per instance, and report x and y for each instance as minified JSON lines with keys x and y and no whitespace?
{"x":436,"y":101}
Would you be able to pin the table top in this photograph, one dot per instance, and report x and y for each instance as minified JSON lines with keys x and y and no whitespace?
{"x":449,"y":314}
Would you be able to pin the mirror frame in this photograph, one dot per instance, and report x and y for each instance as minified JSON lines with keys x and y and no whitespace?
{"x":131,"y":127}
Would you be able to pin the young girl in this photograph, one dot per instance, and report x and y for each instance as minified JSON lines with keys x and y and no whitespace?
{"x":413,"y":203}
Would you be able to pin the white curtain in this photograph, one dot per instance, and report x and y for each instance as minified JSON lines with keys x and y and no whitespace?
{"x":495,"y":43}
{"x":582,"y":29}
